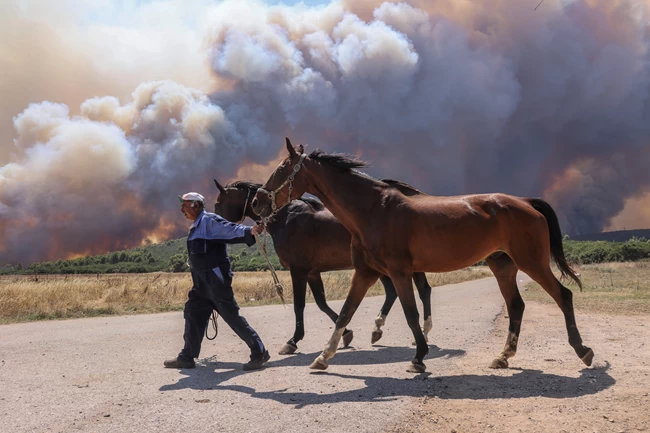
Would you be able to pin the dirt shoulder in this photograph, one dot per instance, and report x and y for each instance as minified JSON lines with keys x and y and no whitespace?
{"x":546,"y":388}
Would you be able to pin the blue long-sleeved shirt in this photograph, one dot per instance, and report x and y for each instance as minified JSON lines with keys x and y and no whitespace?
{"x":206,"y":242}
{"x":211,"y":226}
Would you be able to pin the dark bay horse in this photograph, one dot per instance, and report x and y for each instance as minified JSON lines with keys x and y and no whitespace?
{"x":308,"y":241}
{"x":396,"y":234}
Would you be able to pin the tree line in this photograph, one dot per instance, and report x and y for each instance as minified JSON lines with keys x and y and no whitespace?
{"x":171,"y":256}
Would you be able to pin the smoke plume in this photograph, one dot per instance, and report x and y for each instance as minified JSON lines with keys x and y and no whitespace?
{"x":452,"y":96}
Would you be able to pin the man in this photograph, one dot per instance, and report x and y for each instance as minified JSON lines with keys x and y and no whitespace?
{"x":212,"y":278}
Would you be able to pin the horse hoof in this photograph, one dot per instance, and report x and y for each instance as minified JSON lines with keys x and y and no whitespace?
{"x":499,"y":363}
{"x":416,"y":368}
{"x":288,"y":349}
{"x":347,"y":338}
{"x":319,"y":364}
{"x":588,"y":358}
{"x":376,"y":336}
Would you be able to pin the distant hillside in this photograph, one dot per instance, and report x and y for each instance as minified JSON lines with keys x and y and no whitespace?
{"x":169,"y":256}
{"x":616,"y":236}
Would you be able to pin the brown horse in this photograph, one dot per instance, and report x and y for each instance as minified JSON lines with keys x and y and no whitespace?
{"x":308,"y":241}
{"x":397,"y":234}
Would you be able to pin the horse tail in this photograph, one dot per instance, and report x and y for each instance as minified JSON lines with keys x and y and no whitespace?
{"x":555,"y":234}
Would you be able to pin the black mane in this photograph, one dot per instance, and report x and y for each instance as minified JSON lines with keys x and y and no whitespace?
{"x":315,"y":203}
{"x":346,"y":163}
{"x":338,"y":161}
{"x":244,"y":184}
{"x":403,"y":187}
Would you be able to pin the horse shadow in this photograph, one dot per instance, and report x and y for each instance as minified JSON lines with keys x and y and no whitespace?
{"x":524,"y":383}
{"x":210,"y":372}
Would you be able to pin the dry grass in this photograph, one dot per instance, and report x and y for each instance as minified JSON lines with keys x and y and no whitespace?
{"x":256,"y":288}
{"x":22,"y":298}
{"x":616,"y":288}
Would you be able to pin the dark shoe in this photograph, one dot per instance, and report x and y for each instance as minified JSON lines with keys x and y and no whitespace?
{"x":179,"y":363}
{"x":257,"y":363}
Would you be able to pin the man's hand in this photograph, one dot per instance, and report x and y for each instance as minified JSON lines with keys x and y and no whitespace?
{"x":257,"y":229}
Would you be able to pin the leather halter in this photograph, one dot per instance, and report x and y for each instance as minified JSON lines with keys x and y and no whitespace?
{"x":289,"y":180}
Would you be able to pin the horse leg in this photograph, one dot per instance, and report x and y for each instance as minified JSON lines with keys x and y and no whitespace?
{"x":505,"y":271}
{"x":424,"y":290}
{"x":363,"y":278}
{"x":391,"y":296}
{"x":542,"y":274}
{"x":317,"y":288}
{"x":404,"y":286}
{"x":299,"y":281}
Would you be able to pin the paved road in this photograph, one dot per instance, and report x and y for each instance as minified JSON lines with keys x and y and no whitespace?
{"x":105,"y":374}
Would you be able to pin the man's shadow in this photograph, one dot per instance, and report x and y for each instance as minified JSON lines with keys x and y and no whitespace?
{"x":205,"y":377}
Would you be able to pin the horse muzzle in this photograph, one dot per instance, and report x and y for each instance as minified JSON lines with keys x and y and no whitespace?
{"x":261,"y":206}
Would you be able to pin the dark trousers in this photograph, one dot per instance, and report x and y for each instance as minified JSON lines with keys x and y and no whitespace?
{"x":198,"y":309}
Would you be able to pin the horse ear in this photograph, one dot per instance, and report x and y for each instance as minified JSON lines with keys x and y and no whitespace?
{"x":290,"y":148}
{"x":301,"y":149}
{"x":219,"y":187}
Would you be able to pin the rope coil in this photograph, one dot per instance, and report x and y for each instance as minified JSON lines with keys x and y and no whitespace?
{"x":214,"y":317}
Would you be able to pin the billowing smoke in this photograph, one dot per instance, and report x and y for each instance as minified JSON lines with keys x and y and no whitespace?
{"x":67,"y":52}
{"x":452,"y":96}
{"x":460,"y":97}
{"x":109,"y":177}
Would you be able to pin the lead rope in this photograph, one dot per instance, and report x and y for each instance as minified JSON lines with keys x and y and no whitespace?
{"x":243,"y":215}
{"x":262,"y":246}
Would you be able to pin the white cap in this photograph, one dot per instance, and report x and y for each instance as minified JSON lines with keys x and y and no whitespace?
{"x":191,"y":196}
